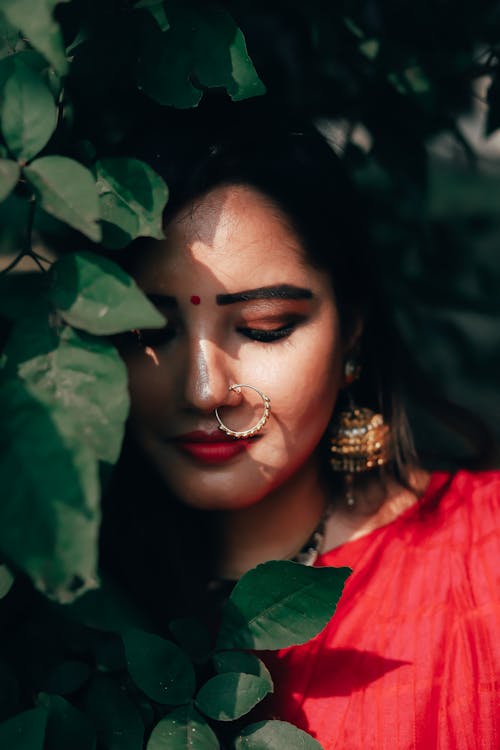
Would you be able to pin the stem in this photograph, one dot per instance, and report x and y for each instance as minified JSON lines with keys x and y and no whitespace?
{"x":13,"y":263}
{"x":27,"y":249}
{"x":34,"y":256}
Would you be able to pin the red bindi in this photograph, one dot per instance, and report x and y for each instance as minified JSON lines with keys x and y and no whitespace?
{"x":195,"y":300}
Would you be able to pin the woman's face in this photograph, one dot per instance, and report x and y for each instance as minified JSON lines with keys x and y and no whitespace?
{"x":243,"y":306}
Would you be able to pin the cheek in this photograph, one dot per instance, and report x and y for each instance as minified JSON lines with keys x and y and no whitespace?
{"x":149,"y":389}
{"x":303,"y":382}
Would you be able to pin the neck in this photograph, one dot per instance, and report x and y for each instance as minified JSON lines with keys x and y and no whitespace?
{"x":377,"y":502}
{"x":274,"y":528}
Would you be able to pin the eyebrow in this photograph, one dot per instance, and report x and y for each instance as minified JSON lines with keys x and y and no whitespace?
{"x":283,"y":291}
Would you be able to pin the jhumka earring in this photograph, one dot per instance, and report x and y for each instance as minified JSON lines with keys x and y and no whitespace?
{"x":360,"y":440}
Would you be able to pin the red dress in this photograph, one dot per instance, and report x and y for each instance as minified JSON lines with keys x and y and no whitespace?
{"x":411,"y":658}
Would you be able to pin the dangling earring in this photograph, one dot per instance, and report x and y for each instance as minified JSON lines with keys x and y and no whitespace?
{"x":360,"y":440}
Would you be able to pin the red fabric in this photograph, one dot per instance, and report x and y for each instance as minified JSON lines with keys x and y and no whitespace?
{"x":411,"y":658}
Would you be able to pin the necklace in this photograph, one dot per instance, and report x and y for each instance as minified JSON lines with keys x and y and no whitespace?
{"x":311,"y":550}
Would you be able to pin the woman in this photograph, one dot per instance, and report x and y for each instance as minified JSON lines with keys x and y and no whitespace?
{"x":269,"y":410}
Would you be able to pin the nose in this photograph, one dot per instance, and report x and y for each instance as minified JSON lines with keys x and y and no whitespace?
{"x":208,"y":377}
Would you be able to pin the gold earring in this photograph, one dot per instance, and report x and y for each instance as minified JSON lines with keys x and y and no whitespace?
{"x":360,"y":440}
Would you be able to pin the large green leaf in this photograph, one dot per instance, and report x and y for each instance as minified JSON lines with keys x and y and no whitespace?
{"x":49,"y":515}
{"x":35,"y":20}
{"x":95,"y":294}
{"x":202,"y":44}
{"x":9,"y":176}
{"x":25,"y":731}
{"x":67,"y":728}
{"x":183,"y":729}
{"x":242,"y":661}
{"x":159,"y":667}
{"x":133,"y":197}
{"x":280,"y":604}
{"x":28,"y":115}
{"x":81,"y":381}
{"x":275,"y":735}
{"x":113,"y":715}
{"x":230,"y":695}
{"x":67,"y":190}
{"x":64,"y":402}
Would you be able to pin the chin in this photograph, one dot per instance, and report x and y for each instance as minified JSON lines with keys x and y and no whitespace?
{"x":216,"y":496}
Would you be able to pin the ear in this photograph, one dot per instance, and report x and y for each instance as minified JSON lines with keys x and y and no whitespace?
{"x":352,"y":364}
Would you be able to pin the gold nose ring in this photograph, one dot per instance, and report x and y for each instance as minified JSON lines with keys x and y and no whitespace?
{"x":238,"y":434}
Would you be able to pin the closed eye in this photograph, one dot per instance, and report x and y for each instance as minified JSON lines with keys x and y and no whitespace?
{"x":267,"y":335}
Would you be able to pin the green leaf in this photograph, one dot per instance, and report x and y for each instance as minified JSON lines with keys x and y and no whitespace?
{"x":193,"y":638}
{"x":280,"y":604}
{"x":203,"y":45}
{"x":230,"y":695}
{"x":25,"y":731}
{"x":183,"y":729}
{"x":9,"y":176}
{"x":133,"y":197}
{"x":159,"y":668}
{"x":275,"y":735}
{"x":81,"y":381}
{"x":157,"y":10}
{"x":28,"y":115}
{"x":237,"y":75}
{"x":6,"y":581}
{"x":242,"y":661}
{"x":49,"y":515}
{"x":35,"y":20}
{"x":67,"y":728}
{"x":10,"y":38}
{"x":95,"y":294}
{"x":113,"y":715}
{"x":67,"y":191}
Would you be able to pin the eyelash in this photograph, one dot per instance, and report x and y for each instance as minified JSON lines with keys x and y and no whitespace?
{"x":267,"y":336}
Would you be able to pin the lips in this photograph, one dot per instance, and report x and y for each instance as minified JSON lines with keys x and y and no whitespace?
{"x":211,"y":447}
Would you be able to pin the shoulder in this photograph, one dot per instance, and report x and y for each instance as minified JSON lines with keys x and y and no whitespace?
{"x":461,"y":514}
{"x":457,"y":510}
{"x":473,"y":491}
{"x":476,"y":494}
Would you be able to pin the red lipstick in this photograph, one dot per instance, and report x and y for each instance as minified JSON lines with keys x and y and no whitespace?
{"x":211,"y":447}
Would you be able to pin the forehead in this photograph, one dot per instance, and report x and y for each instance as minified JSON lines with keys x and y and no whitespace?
{"x":236,"y":234}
